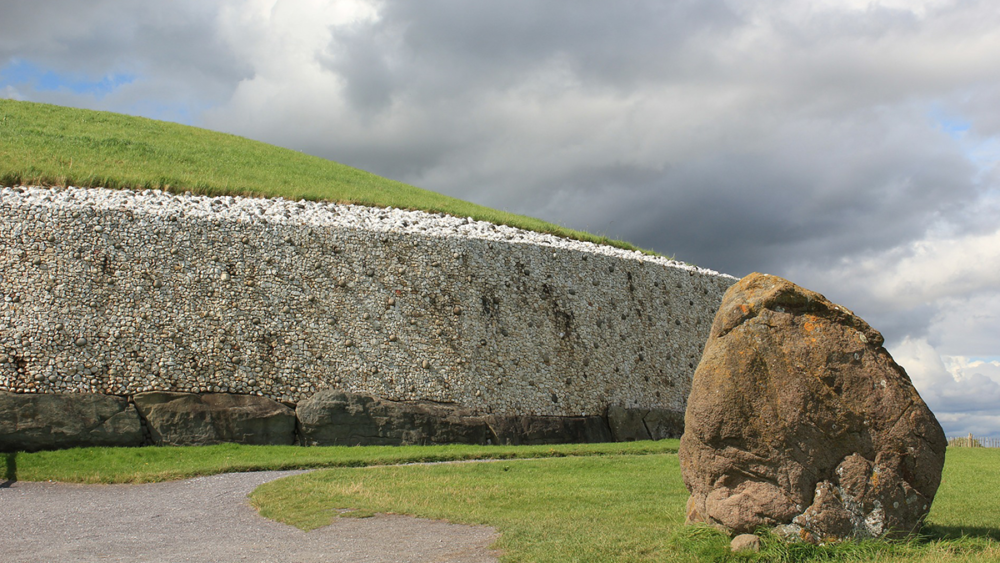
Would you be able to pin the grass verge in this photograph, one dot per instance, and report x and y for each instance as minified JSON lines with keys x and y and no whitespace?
{"x":620,"y":508}
{"x":50,"y":145}
{"x":152,"y":464}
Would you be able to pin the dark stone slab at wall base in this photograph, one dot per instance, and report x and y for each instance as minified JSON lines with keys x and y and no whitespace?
{"x":52,"y":421}
{"x":33,"y":422}
{"x":528,"y":429}
{"x":337,"y":418}
{"x":663,"y":423}
{"x":628,"y":425}
{"x":186,"y":419}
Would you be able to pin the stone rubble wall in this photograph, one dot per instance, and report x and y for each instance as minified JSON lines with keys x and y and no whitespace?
{"x":123,"y":293}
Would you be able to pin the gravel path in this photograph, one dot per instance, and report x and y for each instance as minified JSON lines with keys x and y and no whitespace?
{"x":207,"y":519}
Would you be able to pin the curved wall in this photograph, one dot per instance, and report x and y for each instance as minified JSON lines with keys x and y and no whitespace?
{"x":124,"y":292}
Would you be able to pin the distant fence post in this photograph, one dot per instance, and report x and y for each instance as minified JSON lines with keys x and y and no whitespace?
{"x":972,"y":441}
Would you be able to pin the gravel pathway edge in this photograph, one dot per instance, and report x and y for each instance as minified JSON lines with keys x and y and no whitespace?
{"x":208,"y":519}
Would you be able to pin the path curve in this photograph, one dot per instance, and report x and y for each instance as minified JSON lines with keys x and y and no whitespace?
{"x":208,"y":519}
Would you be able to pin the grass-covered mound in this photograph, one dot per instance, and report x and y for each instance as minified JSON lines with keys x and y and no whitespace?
{"x":49,"y":145}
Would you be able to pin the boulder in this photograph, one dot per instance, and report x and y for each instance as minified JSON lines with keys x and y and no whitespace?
{"x":33,"y":422}
{"x":188,"y":419}
{"x":800,"y":420}
{"x":331,"y":418}
{"x":745,"y":542}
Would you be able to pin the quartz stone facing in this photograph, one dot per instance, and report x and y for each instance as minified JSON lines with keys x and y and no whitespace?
{"x":119,"y":294}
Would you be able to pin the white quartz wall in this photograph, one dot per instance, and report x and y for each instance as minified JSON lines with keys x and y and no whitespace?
{"x":123,"y":292}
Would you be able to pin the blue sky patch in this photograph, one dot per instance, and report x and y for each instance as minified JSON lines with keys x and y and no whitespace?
{"x":21,"y":73}
{"x":954,"y":125}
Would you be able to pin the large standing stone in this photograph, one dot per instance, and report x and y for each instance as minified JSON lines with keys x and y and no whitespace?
{"x":32,"y":422}
{"x":186,"y":419}
{"x":799,"y":419}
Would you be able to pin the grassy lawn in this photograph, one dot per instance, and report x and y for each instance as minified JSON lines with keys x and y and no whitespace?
{"x":50,"y":145}
{"x":571,"y":502}
{"x":619,"y":508}
{"x":153,"y":464}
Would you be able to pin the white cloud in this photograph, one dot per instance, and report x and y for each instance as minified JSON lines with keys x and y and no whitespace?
{"x":928,"y":269}
{"x":971,"y":369}
{"x":944,"y":283}
{"x":959,"y":425}
{"x":963,"y":393}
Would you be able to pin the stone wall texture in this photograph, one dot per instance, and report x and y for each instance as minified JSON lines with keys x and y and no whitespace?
{"x":103,"y":295}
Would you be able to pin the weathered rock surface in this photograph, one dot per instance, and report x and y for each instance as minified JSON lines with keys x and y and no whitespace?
{"x":337,"y":418}
{"x":799,"y":419}
{"x":33,"y":422}
{"x":187,"y":419}
{"x":745,"y":542}
{"x":628,"y":425}
{"x":531,"y":429}
{"x":663,"y":423}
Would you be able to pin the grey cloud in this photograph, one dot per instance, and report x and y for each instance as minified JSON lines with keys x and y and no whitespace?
{"x":452,"y":49}
{"x":962,"y":424}
{"x":171,"y":45}
{"x":976,"y":393}
{"x":847,"y":176}
{"x":360,"y":58}
{"x":802,"y":200}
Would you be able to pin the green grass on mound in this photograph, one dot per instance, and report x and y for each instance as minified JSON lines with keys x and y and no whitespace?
{"x":49,"y":145}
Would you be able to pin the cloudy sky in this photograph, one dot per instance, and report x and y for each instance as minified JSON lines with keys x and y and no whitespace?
{"x":851,"y":146}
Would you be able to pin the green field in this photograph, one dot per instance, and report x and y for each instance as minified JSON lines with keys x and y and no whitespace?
{"x":56,"y":146}
{"x":573,"y":502}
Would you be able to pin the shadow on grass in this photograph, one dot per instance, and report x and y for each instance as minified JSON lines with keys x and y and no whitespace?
{"x":9,"y":475}
{"x":936,"y":532}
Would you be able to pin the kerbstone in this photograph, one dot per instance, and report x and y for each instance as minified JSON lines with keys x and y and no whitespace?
{"x":627,"y":424}
{"x":33,"y":422}
{"x":187,"y":419}
{"x":335,"y":418}
{"x":531,"y":429}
